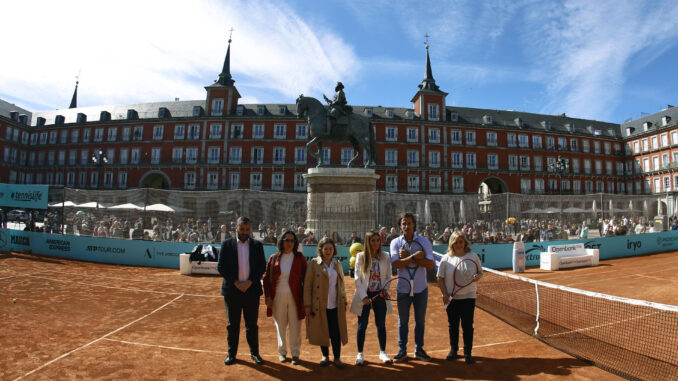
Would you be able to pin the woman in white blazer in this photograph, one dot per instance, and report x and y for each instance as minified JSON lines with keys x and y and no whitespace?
{"x":372,"y":271}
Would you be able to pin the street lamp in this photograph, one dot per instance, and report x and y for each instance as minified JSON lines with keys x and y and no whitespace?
{"x":560,"y":166}
{"x":99,"y":159}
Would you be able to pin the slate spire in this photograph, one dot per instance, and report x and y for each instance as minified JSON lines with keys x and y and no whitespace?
{"x":74,"y":100}
{"x":428,"y":83}
{"x":225,"y":78}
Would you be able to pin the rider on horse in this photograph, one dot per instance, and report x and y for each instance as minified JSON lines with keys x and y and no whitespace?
{"x":338,"y":107}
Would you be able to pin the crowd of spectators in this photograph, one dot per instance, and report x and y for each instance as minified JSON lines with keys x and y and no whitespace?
{"x":198,"y":230}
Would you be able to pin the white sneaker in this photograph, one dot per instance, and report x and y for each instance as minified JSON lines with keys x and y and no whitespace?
{"x":360,"y":359}
{"x":384,"y":357}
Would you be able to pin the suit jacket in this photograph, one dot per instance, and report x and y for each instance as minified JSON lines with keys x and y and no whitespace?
{"x":228,"y":266}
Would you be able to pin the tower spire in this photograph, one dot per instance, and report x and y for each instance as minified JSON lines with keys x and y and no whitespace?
{"x":74,"y":100}
{"x":428,"y":83}
{"x":225,"y":78}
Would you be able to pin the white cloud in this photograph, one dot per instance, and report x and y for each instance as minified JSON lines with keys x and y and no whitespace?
{"x":139,"y":51}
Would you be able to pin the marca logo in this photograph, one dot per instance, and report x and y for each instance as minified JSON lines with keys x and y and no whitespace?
{"x":34,"y":196}
{"x":20,"y":240}
{"x":592,"y":245}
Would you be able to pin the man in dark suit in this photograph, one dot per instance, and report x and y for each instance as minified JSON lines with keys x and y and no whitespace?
{"x":242,"y":264}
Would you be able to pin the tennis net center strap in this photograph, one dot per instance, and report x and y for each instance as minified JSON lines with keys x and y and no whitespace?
{"x":636,"y":339}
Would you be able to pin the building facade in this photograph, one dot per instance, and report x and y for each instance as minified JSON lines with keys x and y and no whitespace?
{"x":432,"y":148}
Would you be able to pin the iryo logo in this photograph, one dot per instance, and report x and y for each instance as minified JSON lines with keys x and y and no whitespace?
{"x":633,"y":244}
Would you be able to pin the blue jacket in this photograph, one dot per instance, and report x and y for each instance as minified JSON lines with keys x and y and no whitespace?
{"x":228,"y":266}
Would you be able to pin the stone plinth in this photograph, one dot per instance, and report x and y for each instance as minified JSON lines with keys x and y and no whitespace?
{"x":340,"y":200}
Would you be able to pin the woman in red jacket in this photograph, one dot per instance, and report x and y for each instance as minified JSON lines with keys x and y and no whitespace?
{"x":284,"y":292}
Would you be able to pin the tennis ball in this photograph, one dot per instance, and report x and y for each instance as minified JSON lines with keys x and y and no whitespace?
{"x":356,"y":248}
{"x":351,"y":262}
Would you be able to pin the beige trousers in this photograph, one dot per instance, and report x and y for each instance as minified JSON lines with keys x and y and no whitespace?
{"x":284,"y":314}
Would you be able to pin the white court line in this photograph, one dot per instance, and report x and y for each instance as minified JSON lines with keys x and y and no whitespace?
{"x":622,"y":276}
{"x":602,"y":325}
{"x":20,"y":275}
{"x":275,"y":355}
{"x":99,"y":339}
{"x":117,"y":278}
{"x":126,"y":288}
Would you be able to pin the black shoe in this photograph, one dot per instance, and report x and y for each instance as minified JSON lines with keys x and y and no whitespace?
{"x":339,"y":364}
{"x":400,"y":356}
{"x":452,"y":355}
{"x":229,"y":360}
{"x":295,"y":360}
{"x":468,"y":359}
{"x":421,"y":355}
{"x":256,"y":358}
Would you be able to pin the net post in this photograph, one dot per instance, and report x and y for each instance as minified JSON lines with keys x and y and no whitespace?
{"x":536,"y":290}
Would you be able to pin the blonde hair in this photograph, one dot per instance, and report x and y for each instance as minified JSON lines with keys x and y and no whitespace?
{"x":458,"y":235}
{"x":367,"y":263}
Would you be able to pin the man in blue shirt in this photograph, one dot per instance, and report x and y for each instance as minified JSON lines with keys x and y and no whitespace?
{"x":411,"y":255}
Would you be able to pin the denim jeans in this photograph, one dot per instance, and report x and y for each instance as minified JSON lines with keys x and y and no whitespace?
{"x":419,"y":301}
{"x":379,"y":307}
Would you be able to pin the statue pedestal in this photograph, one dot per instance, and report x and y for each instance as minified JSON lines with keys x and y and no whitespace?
{"x":340,"y":200}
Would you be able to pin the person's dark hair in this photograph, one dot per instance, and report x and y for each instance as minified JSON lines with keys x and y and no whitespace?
{"x":410,"y":216}
{"x":281,"y":242}
{"x":323,"y":242}
{"x":243,"y":220}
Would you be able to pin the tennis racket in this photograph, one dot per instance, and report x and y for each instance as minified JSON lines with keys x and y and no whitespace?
{"x":390,"y":289}
{"x":464,"y":274}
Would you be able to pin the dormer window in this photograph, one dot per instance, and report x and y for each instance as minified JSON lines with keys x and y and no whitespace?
{"x":409,"y":114}
{"x":487,"y":119}
{"x":104,"y":116}
{"x":163,"y":112}
{"x":665,"y":120}
{"x":282,"y":110}
{"x":132,"y":114}
{"x":368,"y":112}
{"x":546,"y":124}
{"x":389,"y":113}
{"x":630,"y":130}
{"x":454,"y":116}
{"x":569,"y":126}
{"x":260,"y":110}
{"x":647,"y":125}
{"x":40,"y":121}
{"x":518,"y":121}
{"x":240,"y":110}
{"x":59,"y":120}
{"x":81,"y":118}
{"x":197,"y":110}
{"x":597,"y":133}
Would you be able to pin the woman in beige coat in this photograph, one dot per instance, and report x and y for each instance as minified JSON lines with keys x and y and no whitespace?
{"x":325,"y":302}
{"x":372,"y":271}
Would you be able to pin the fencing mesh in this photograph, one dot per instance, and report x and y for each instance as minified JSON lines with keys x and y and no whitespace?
{"x":634,"y":339}
{"x":342,"y":213}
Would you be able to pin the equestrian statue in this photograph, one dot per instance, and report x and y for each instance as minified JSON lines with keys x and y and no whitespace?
{"x":337,"y":124}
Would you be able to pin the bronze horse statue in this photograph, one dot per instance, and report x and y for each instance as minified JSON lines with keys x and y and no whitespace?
{"x":359,"y":131}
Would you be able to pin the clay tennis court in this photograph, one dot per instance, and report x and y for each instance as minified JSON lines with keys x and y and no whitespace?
{"x":78,"y":320}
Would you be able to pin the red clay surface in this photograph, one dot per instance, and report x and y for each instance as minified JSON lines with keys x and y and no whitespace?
{"x":78,"y":320}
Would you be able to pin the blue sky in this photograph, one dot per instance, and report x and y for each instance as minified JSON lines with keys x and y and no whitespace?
{"x":602,"y":60}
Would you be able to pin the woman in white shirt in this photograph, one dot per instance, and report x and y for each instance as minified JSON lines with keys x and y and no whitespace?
{"x":372,"y":271}
{"x":462,"y":305}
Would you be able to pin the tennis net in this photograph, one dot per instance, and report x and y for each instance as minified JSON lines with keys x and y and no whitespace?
{"x":632,"y":338}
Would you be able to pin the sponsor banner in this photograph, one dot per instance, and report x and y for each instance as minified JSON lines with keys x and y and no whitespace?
{"x":569,"y":250}
{"x":166,"y":254}
{"x":498,"y":256}
{"x":23,"y":196}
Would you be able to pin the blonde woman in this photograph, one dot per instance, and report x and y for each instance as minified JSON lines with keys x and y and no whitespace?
{"x":461,"y":305}
{"x":325,"y":302}
{"x":372,"y":271}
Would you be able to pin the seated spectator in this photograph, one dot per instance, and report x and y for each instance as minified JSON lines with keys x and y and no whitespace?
{"x":269,"y":239}
{"x":309,"y":240}
{"x":354,"y":238}
{"x":337,"y":240}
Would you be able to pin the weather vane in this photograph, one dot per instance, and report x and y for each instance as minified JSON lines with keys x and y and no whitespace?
{"x":426,"y":42}
{"x":230,"y":34}
{"x":77,"y":77}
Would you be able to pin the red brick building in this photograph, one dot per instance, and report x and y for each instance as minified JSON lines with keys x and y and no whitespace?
{"x":217,"y":143}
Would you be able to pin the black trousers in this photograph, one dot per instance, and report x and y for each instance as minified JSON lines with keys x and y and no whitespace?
{"x":247,"y":305}
{"x":461,"y":309}
{"x":335,"y":335}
